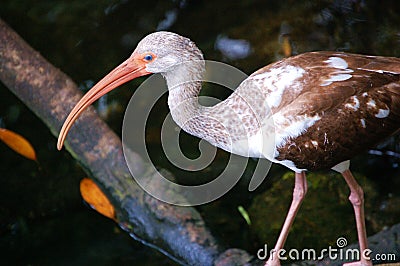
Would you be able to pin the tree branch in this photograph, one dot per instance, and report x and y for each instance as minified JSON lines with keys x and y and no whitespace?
{"x":179,"y":232}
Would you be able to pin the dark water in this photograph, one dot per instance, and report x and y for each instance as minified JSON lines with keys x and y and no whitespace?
{"x":42,"y":218}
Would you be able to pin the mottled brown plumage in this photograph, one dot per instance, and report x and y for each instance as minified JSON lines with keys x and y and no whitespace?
{"x":341,"y":134}
{"x":312,"y":111}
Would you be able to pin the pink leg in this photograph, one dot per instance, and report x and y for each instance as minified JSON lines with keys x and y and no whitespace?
{"x":357,"y":200}
{"x":299,"y":192}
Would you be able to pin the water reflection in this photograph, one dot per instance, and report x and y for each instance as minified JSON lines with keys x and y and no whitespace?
{"x":233,"y":49}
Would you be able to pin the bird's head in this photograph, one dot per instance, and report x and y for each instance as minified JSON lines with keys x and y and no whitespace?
{"x":159,"y":52}
{"x":162,"y":51}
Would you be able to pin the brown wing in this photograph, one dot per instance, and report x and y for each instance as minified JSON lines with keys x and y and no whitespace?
{"x":321,"y":92}
{"x":357,"y":98}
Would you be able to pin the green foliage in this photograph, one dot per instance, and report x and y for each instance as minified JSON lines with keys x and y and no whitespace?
{"x":325,"y":214}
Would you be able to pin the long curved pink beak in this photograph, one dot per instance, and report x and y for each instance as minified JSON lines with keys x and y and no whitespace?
{"x":128,"y":70}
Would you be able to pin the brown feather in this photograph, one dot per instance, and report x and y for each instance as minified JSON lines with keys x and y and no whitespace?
{"x":343,"y":131}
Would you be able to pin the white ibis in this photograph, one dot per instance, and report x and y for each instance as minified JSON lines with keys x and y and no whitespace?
{"x":327,"y":107}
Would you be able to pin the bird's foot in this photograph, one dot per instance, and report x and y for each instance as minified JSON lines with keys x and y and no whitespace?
{"x":359,"y":263}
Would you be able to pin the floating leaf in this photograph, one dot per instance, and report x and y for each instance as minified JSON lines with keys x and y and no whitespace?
{"x":92,"y":194}
{"x":18,"y":143}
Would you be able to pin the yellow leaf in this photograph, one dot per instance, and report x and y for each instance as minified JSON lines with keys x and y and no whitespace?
{"x":286,"y":46}
{"x":245,"y":214}
{"x":92,"y":194}
{"x":18,"y":143}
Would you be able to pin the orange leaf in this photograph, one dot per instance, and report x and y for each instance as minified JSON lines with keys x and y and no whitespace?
{"x":286,"y":46}
{"x":92,"y":194}
{"x":18,"y":143}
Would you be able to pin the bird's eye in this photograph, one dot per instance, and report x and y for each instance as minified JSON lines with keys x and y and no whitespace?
{"x":148,"y":57}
